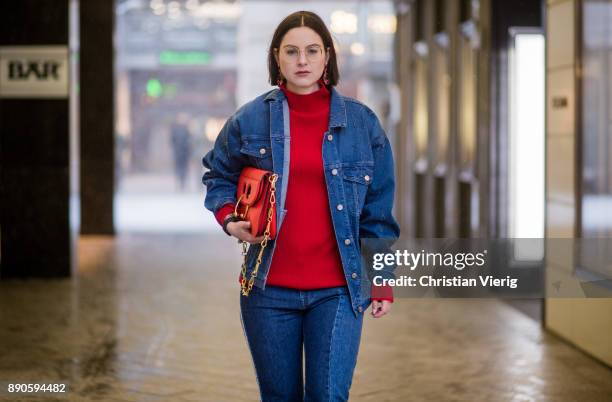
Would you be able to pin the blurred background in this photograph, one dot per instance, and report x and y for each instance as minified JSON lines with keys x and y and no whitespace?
{"x":202,"y":60}
{"x":116,"y":280}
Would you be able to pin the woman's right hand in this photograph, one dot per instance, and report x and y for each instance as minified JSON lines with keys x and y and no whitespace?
{"x":241,"y":231}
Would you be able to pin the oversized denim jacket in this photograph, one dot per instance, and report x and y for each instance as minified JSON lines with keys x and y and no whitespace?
{"x":358,"y":166}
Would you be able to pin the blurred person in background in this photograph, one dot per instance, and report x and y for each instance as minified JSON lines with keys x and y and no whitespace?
{"x":181,"y":148}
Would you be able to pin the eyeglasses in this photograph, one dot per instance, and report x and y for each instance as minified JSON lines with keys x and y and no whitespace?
{"x":313,"y":53}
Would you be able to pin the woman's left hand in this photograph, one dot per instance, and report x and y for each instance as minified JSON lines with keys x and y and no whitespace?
{"x":380,"y":308}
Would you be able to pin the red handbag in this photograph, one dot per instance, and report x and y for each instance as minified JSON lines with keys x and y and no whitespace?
{"x":256,"y":195}
{"x":256,"y":203}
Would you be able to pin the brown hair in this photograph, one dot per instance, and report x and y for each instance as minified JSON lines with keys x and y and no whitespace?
{"x":314,"y":22}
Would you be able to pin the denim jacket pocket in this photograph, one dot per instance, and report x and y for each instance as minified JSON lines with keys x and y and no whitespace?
{"x":357,"y":180}
{"x":258,"y":152}
{"x":361,"y":174}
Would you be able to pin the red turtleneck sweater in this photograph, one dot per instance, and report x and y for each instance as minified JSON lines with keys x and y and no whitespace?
{"x":306,"y":254}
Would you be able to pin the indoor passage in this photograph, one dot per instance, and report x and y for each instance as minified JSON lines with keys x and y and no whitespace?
{"x":117,"y":283}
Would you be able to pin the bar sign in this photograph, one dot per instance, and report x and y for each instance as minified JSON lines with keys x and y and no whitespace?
{"x":34,"y":72}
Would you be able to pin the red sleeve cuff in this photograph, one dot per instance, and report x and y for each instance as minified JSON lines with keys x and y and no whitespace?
{"x":382,"y":293}
{"x":223,"y":212}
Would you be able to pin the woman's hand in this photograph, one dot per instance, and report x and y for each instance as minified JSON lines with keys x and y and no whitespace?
{"x":240,"y":230}
{"x":380,"y":308}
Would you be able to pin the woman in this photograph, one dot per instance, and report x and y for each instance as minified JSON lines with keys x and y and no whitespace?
{"x":335,"y":186}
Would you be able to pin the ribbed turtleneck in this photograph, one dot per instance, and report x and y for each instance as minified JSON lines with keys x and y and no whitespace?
{"x":314,"y":103}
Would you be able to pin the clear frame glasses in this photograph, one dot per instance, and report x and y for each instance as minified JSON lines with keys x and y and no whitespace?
{"x":314,"y":53}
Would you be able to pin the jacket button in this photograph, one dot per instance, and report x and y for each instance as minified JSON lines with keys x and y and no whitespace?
{"x":334,"y":171}
{"x":330,"y":137}
{"x":354,"y":275}
{"x":262,"y":151}
{"x":347,"y":241}
{"x":366,"y":177}
{"x":360,"y":309}
{"x":340,"y":207}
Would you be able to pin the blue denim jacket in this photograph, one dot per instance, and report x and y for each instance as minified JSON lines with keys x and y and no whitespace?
{"x":358,"y":166}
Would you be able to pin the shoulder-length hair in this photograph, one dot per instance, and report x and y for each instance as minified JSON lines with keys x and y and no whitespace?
{"x":314,"y":22}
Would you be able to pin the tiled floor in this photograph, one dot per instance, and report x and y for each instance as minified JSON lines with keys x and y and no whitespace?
{"x":155,"y":318}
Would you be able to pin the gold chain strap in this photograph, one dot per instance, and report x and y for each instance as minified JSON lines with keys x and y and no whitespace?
{"x":244,"y":286}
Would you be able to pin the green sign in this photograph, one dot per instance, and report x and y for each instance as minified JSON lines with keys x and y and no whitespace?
{"x":174,"y":58}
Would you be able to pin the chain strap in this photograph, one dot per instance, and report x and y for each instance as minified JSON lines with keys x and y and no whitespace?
{"x":245,"y":286}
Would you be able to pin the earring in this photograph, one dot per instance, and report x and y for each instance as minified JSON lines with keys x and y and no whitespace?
{"x":279,"y":79}
{"x":325,"y":78}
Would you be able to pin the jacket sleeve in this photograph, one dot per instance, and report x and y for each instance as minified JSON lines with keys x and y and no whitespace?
{"x":376,"y":220}
{"x":224,"y":163}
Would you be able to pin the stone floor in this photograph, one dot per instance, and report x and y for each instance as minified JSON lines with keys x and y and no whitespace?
{"x":156,"y":318}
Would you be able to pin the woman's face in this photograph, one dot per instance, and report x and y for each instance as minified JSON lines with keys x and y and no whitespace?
{"x":302,"y":59}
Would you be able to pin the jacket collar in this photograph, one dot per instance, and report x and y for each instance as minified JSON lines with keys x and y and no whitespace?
{"x":337,"y":108}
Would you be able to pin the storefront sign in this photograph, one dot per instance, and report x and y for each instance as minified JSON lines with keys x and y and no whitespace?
{"x":34,"y":72}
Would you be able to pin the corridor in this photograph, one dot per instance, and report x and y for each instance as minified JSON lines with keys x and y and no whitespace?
{"x":478,"y":133}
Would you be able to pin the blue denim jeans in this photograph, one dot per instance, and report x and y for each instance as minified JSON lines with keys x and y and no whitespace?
{"x":282,"y":324}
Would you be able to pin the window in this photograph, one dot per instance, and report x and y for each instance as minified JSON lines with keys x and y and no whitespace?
{"x":595,"y":125}
{"x":526,"y":159}
{"x":597,"y":120}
